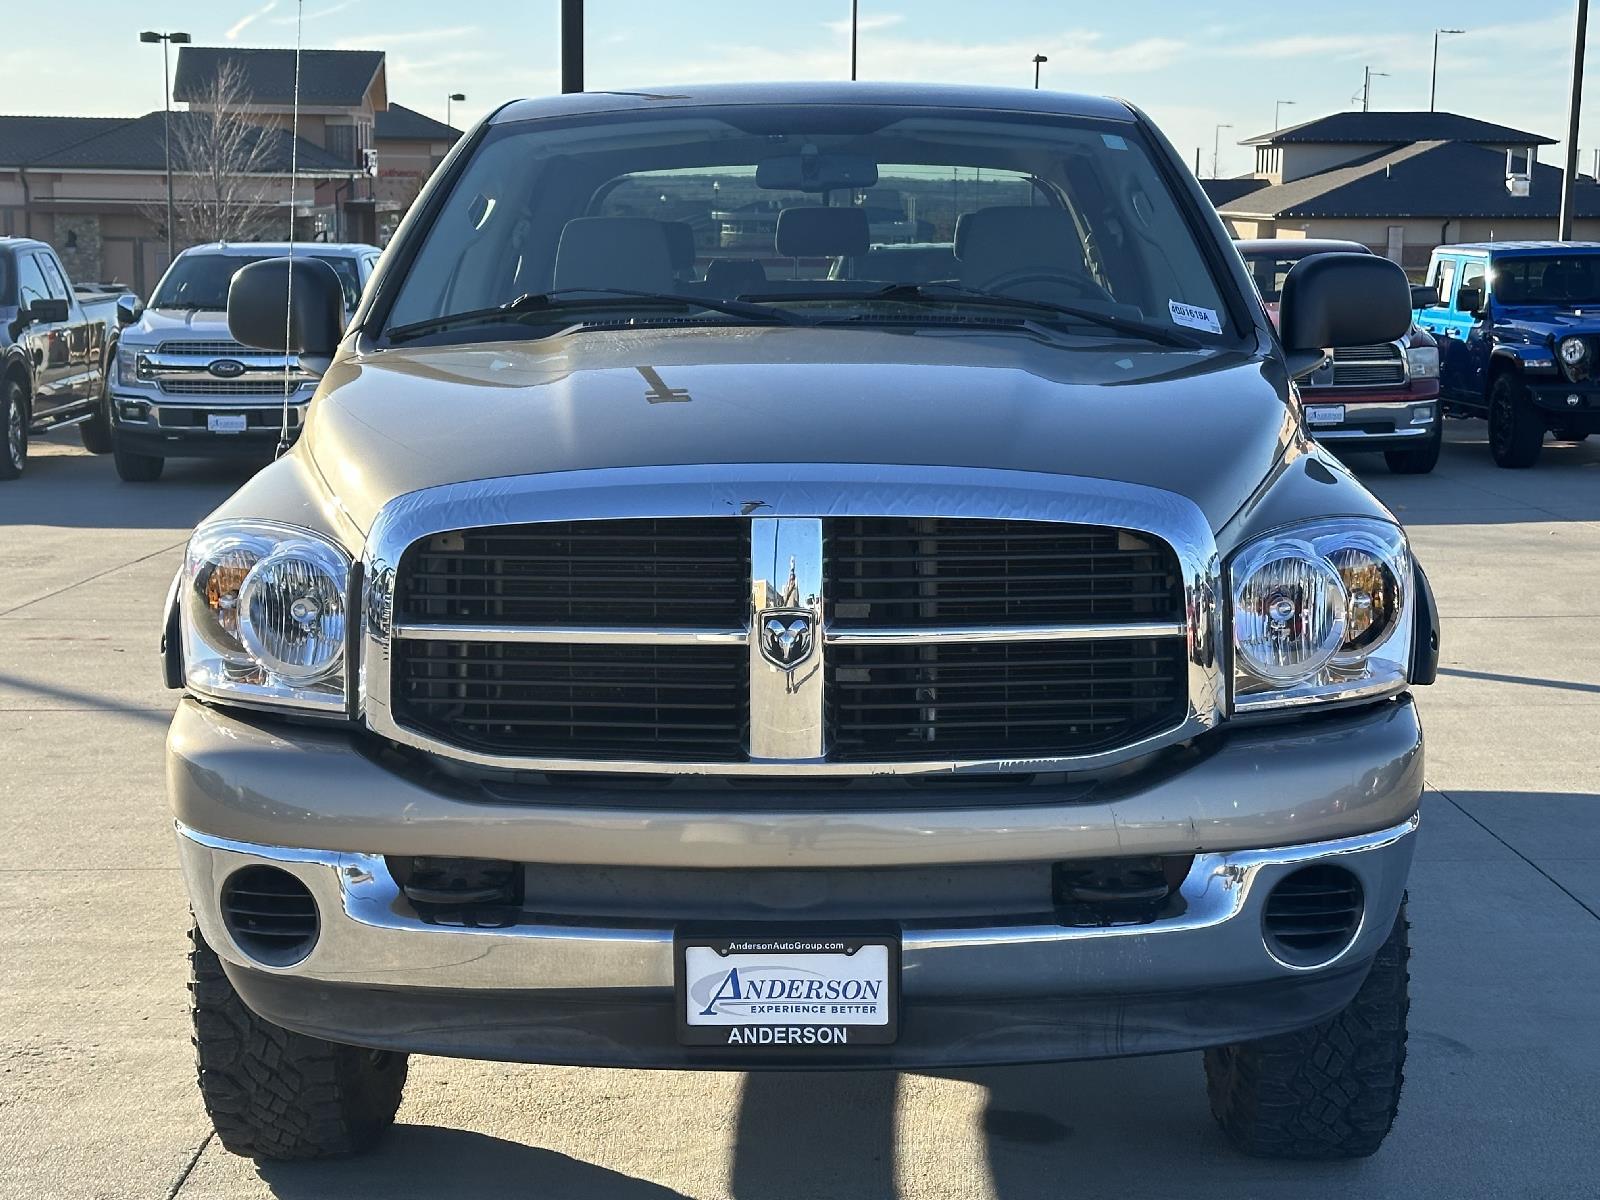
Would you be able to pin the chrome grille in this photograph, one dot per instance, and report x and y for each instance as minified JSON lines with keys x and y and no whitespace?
{"x":1365,"y":366}
{"x":575,"y":644}
{"x":222,"y":349}
{"x":225,"y":387}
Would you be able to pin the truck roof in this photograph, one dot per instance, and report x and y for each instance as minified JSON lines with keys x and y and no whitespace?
{"x":1299,"y":247}
{"x":835,"y":93}
{"x":1511,"y":248}
{"x":258,"y":248}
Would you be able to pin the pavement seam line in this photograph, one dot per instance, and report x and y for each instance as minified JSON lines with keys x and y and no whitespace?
{"x":98,"y":575}
{"x":1570,"y":895}
{"x":188,"y":1167}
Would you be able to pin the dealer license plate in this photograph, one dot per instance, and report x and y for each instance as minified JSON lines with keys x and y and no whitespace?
{"x":790,"y":995}
{"x":1324,"y":414}
{"x":225,"y":422}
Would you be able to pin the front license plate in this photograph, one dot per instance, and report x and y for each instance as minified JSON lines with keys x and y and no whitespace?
{"x":1324,"y":414}
{"x":225,"y":422}
{"x":788,"y":994}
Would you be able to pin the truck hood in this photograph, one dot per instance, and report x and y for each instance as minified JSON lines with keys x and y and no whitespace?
{"x":155,"y":324}
{"x":1209,"y":425}
{"x":1538,"y":320}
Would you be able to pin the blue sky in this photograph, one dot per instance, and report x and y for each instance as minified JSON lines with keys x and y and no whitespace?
{"x":1190,"y":70}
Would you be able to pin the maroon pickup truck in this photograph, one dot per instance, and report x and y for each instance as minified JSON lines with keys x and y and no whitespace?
{"x":1383,"y":397}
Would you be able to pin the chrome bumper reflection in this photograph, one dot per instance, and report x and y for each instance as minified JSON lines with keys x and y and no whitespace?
{"x":371,"y":935}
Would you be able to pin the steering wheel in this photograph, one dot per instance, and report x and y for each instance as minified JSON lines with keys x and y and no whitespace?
{"x":1024,"y":276}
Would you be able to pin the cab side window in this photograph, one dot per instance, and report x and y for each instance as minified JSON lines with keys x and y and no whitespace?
{"x":30,"y":281}
{"x":1473,"y":275}
{"x":1443,"y":280}
{"x":54,"y":279}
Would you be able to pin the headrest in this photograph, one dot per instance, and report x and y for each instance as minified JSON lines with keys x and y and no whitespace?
{"x":1049,"y":231}
{"x":680,"y":244}
{"x":817,"y":232}
{"x":630,"y":253}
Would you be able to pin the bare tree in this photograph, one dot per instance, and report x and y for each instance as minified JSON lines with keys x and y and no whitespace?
{"x":222,"y":152}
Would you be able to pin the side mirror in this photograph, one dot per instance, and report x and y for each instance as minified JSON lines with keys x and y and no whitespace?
{"x":1423,"y":296}
{"x":1332,"y":300}
{"x":307,"y":319}
{"x":1469,"y":300}
{"x":48,"y":311}
{"x":128,"y":310}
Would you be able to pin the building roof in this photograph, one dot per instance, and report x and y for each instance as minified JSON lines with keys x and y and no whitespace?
{"x":1428,"y":179}
{"x":135,"y":144}
{"x":399,"y":123}
{"x":1225,"y":191}
{"x":328,"y":78}
{"x":1392,"y":128}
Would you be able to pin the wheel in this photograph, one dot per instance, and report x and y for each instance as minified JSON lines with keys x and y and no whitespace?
{"x":96,"y":431}
{"x":1516,"y":431}
{"x":13,"y":430}
{"x":137,"y":468}
{"x":1418,"y":459}
{"x":1568,"y":435}
{"x":275,"y":1094}
{"x":1330,"y":1091}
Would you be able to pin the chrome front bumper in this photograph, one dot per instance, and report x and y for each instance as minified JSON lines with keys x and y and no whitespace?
{"x":1384,"y":421}
{"x":371,"y":936}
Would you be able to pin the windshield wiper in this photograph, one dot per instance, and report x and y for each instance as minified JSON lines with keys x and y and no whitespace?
{"x":950,"y":293}
{"x":535,"y":303}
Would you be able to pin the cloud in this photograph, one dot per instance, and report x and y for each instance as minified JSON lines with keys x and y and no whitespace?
{"x":864,"y":24}
{"x":248,"y":20}
{"x":318,"y":14}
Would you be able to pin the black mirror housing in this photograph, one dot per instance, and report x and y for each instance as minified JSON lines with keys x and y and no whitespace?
{"x":128,"y":310}
{"x":49,"y":311}
{"x":1423,"y":296}
{"x":1332,"y":300}
{"x":1469,"y":300}
{"x":266,"y":313}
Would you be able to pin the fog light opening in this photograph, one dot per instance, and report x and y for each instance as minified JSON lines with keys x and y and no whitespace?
{"x":270,"y":914}
{"x":1312,"y":916}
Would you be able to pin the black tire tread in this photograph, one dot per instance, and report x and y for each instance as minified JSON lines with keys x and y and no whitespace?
{"x":1327,"y":1092}
{"x":1525,"y":432}
{"x":275,"y":1094}
{"x":137,"y":468}
{"x":1416,"y":460}
{"x":11,"y":392}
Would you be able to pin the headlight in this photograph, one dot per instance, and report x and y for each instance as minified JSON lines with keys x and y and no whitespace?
{"x":263,"y":611}
{"x":1574,"y":358}
{"x":1321,"y":613}
{"x":127,"y":365}
{"x":1422,"y":362}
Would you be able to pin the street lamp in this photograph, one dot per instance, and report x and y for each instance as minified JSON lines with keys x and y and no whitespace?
{"x":1433,"y":84}
{"x":1277,"y":114}
{"x":181,"y":39}
{"x":1216,"y":149}
{"x":448,"y":100}
{"x":1366,"y":86}
{"x":1038,"y":60}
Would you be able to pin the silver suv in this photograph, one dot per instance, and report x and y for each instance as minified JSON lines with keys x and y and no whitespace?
{"x":658,"y":653}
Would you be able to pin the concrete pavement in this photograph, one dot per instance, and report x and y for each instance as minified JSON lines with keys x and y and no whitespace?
{"x":96,"y":1081}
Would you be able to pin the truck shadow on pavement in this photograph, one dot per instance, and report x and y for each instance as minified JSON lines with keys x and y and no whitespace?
{"x":429,"y":1161}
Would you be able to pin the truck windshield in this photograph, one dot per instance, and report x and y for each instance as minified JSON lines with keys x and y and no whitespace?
{"x":1563,"y":280}
{"x":200,"y":281}
{"x":813,"y":213}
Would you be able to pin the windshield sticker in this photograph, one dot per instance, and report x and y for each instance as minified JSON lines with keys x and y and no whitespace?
{"x":1194,"y":317}
{"x":1113,"y":141}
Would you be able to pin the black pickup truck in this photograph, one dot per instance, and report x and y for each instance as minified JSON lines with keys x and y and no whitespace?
{"x":55,"y":347}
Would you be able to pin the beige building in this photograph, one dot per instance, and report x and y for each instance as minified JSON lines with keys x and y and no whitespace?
{"x":95,"y":187}
{"x":1401,"y":183}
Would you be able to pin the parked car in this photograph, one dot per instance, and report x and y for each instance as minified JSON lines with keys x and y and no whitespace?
{"x":1519,"y":329}
{"x":55,"y":349}
{"x":1383,"y":397}
{"x":184,"y":388}
{"x":622,"y":672}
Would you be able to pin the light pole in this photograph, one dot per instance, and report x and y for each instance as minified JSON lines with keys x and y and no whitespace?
{"x":448,"y":100}
{"x":1277,"y":114}
{"x":1366,"y":86}
{"x":1433,"y":83}
{"x":166,"y":39}
{"x":1038,"y":61}
{"x":572,"y":45}
{"x":1216,"y":148}
{"x":855,"y":15}
{"x":1569,"y":178}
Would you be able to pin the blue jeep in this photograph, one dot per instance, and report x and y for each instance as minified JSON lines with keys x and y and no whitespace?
{"x":1518,"y":325}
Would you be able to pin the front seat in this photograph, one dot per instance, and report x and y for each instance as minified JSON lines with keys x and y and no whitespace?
{"x":626,"y":253}
{"x":992,"y":243}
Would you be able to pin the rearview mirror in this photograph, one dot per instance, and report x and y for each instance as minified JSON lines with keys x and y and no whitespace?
{"x":307,"y":319}
{"x":1469,"y":300}
{"x":128,"y":310}
{"x":1423,"y":296}
{"x":813,"y":172}
{"x":48,"y":311}
{"x":1332,"y":300}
